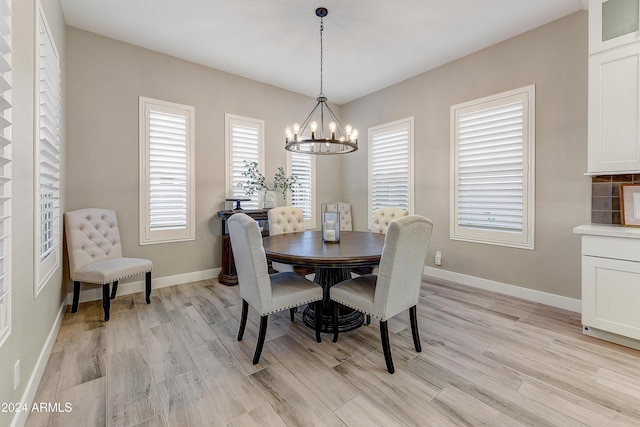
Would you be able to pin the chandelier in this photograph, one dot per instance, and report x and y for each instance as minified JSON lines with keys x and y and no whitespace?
{"x":315,"y":135}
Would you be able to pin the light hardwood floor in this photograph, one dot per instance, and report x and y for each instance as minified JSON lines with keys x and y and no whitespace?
{"x":487,"y":359}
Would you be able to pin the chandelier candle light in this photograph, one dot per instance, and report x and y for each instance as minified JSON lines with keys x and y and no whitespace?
{"x":337,"y":139}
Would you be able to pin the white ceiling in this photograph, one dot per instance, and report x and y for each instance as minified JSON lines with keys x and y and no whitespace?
{"x":368,"y":44}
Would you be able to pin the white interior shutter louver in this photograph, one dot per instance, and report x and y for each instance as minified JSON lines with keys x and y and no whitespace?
{"x":244,"y":142}
{"x":302,"y":197}
{"x":5,"y":176}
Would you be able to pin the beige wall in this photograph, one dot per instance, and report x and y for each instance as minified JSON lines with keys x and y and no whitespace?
{"x":33,"y":317}
{"x":105,"y":78}
{"x":554,"y":58}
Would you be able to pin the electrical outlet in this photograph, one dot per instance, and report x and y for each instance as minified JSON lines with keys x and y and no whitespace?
{"x":16,"y":374}
{"x":438,"y":258}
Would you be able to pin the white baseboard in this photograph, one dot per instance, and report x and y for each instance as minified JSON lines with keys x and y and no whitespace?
{"x":95,"y":292}
{"x":553,"y":300}
{"x":29,"y":395}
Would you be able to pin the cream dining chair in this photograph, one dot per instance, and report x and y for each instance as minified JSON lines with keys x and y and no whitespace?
{"x":266,"y":293}
{"x":396,"y":287}
{"x":95,"y":255}
{"x":282,"y":220}
{"x":382,"y":217}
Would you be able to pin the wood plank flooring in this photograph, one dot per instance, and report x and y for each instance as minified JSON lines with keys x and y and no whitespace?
{"x":487,"y":359}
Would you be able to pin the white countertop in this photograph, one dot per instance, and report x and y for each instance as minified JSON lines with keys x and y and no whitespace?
{"x":608,"y":230}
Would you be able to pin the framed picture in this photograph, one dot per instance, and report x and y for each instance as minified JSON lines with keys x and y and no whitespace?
{"x":630,"y":204}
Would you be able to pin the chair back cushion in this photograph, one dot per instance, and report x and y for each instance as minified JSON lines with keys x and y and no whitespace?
{"x":345,"y":214}
{"x":251,"y":261}
{"x":92,"y":235}
{"x":401,"y":265}
{"x":383,"y":217}
{"x":285,"y":219}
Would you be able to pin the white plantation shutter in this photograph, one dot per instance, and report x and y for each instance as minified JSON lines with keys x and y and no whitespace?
{"x":167,"y":169}
{"x":303,"y":197}
{"x":491,"y":178}
{"x":390,"y":166}
{"x":244,"y":141}
{"x":5,"y":175}
{"x":48,"y":153}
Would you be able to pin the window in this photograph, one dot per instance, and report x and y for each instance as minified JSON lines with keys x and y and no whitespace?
{"x":391,"y":166}
{"x":167,"y":197}
{"x":5,"y":173}
{"x":492,"y":171}
{"x":304,"y":195}
{"x":244,"y":142}
{"x":48,"y":155}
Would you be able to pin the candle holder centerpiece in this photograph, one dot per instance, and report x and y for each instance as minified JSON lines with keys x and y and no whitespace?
{"x":330,"y":223}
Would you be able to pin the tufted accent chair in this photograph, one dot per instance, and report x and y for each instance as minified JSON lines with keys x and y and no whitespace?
{"x":396,"y":287}
{"x":95,"y":255}
{"x":283,"y":220}
{"x":383,"y":216}
{"x":266,"y":293}
{"x":345,"y":215}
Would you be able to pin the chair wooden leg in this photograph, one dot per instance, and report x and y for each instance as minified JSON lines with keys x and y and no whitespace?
{"x":368,"y":321}
{"x":386,"y":348}
{"x":334,"y":321}
{"x":414,"y":328}
{"x":114,"y":289}
{"x":106,"y":301}
{"x":318,"y":320}
{"x":292,"y":312}
{"x":243,"y":319}
{"x":76,"y":296}
{"x":147,"y":285}
{"x":261,"y":335}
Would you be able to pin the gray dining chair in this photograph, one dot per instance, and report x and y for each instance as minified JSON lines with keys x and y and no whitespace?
{"x":95,"y":255}
{"x":396,"y":287}
{"x":267,"y":294}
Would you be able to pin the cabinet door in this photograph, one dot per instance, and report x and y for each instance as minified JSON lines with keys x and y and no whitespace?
{"x":614,"y":98}
{"x":611,"y":295}
{"x":613,"y":23}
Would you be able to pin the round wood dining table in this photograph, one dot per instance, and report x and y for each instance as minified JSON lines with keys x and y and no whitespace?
{"x":332,"y":263}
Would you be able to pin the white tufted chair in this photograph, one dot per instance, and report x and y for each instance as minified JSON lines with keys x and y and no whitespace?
{"x":266,"y":293}
{"x":282,"y":220}
{"x":396,"y":287}
{"x":383,"y":216}
{"x":345,"y":215}
{"x":95,"y":255}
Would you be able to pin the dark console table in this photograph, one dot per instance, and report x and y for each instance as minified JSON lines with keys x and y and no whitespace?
{"x":228,"y":274}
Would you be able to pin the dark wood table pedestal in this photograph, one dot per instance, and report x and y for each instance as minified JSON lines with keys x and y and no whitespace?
{"x":333,"y":263}
{"x":348,"y":318}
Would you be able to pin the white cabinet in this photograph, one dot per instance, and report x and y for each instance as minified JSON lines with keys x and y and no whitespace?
{"x":614,"y":110}
{"x":614,"y":87}
{"x":613,"y":23}
{"x":611,"y":283}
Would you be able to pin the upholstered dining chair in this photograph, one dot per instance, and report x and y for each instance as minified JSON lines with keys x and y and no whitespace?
{"x":383,"y":216}
{"x":396,"y":287}
{"x":344,"y":209}
{"x":95,"y":255}
{"x":282,"y":220}
{"x":266,"y":293}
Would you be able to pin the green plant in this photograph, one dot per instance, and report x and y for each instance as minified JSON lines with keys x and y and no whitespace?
{"x":284,"y":183}
{"x":256,"y":181}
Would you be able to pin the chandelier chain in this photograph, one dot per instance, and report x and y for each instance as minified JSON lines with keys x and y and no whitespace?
{"x":321,"y":54}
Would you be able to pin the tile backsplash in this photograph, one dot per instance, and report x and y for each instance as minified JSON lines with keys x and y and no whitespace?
{"x":605,"y":197}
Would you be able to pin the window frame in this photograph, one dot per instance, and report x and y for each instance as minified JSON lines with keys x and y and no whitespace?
{"x":148,"y":236}
{"x":5,"y":174}
{"x":45,"y":267}
{"x":309,"y":221}
{"x":230,"y":121}
{"x":387,"y":128}
{"x":526,"y":238}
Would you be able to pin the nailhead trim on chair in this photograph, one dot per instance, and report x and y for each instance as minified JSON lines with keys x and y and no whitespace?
{"x":114,"y":280}
{"x":357,"y":309}
{"x":291,"y":306}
